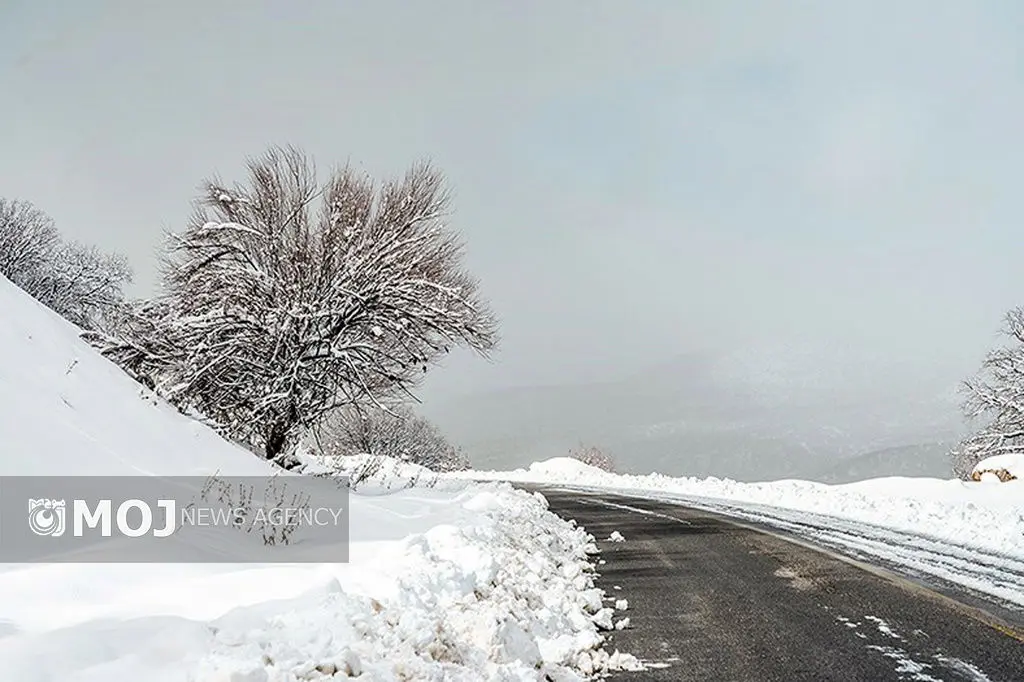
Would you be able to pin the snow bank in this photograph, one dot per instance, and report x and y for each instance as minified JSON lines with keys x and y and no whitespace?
{"x":981,"y":515}
{"x":509,"y":596}
{"x":466,"y":583}
{"x":495,"y":587}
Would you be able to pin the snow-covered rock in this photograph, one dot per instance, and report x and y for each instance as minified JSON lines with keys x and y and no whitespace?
{"x":1004,"y":467}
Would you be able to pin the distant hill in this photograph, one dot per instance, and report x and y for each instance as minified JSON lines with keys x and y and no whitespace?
{"x":750,"y":416}
{"x":921,"y":459}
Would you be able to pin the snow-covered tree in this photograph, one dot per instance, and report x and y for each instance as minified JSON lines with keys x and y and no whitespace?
{"x":83,"y":284}
{"x":28,"y":242}
{"x":289,"y":297}
{"x":995,"y":398}
{"x":395,"y":431}
{"x":79,"y":282}
{"x":593,"y":456}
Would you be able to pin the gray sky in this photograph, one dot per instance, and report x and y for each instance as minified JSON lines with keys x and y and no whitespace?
{"x":634,"y":180}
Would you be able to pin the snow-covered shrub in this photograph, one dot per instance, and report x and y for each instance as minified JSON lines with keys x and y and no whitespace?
{"x":396,"y":432}
{"x":593,"y":456}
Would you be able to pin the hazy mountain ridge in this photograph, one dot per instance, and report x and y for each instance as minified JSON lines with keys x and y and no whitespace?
{"x":698,"y":415}
{"x":920,"y":459}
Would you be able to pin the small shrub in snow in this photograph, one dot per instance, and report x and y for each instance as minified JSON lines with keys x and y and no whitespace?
{"x":593,"y":456}
{"x":395,"y":432}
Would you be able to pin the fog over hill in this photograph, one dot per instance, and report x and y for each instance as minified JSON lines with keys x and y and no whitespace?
{"x":751,"y":415}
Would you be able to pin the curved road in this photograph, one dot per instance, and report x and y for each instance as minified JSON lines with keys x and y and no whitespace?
{"x":710,"y":599}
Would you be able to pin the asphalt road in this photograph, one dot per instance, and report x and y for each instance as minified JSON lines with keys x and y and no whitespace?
{"x":713,"y":600}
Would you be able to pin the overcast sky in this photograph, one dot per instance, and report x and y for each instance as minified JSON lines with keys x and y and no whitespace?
{"x":634,"y":180}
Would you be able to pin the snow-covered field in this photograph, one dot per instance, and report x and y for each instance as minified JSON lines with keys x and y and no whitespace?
{"x":460,"y":581}
{"x":967,"y":533}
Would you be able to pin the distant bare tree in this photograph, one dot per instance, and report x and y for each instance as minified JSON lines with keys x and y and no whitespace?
{"x":593,"y":456}
{"x":28,"y":241}
{"x":79,"y":282}
{"x":84,"y":285}
{"x":995,"y":397}
{"x":290,"y":298}
{"x":391,"y":432}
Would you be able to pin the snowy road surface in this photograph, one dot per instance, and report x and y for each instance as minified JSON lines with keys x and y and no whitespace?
{"x":713,"y":600}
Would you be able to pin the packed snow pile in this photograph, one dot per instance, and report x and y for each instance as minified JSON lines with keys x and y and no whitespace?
{"x":469,"y":582}
{"x":945,"y":510}
{"x":564,"y":468}
{"x":509,"y":596}
{"x":1000,"y":468}
{"x":494,"y":587}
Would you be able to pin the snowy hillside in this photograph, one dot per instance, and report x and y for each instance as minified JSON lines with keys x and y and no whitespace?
{"x":435,"y":589}
{"x":66,"y":410}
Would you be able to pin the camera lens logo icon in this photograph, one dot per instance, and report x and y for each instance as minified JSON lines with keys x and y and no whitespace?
{"x":47,"y":517}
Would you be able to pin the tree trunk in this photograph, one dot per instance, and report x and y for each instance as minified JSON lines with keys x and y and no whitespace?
{"x":276,"y":440}
{"x":276,"y":446}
